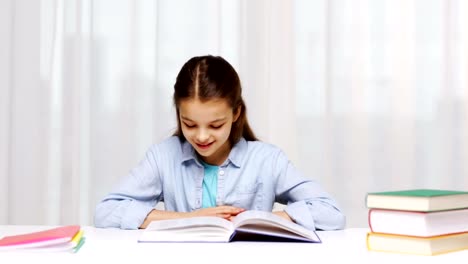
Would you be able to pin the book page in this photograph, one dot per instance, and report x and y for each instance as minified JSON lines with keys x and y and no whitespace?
{"x":193,"y":222}
{"x":267,"y":223}
{"x":195,"y":229}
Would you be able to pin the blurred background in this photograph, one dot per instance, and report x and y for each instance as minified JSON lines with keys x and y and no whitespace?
{"x":362,"y":95}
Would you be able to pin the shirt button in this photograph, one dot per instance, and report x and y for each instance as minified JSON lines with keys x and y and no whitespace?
{"x":221,"y":173}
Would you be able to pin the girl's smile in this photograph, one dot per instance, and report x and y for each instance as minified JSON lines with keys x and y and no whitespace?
{"x":204,"y":146}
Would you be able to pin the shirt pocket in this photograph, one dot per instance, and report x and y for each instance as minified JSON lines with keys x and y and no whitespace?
{"x":248,"y":196}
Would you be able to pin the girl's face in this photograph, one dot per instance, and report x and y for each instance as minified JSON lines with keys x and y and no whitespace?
{"x":207,"y":126}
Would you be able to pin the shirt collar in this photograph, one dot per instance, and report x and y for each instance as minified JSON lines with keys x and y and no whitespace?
{"x":235,"y":156}
{"x":238,"y":152}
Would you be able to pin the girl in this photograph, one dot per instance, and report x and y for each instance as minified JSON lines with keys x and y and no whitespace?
{"x":214,"y":165}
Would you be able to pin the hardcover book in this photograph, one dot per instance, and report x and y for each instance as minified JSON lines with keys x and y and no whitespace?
{"x":422,"y":224}
{"x":249,"y":225}
{"x":422,"y":200}
{"x":417,"y":245}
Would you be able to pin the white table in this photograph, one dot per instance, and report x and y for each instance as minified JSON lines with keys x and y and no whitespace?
{"x":121,"y":246}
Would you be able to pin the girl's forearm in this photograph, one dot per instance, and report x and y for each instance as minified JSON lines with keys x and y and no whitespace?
{"x":156,"y":215}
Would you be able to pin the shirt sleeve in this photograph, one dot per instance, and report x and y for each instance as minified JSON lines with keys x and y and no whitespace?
{"x":134,"y":197}
{"x":308,"y":204}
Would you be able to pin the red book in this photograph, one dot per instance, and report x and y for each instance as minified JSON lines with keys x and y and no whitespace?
{"x":48,"y":237}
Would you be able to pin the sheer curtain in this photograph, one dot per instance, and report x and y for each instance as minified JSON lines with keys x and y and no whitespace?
{"x":362,"y":95}
{"x":383,"y":96}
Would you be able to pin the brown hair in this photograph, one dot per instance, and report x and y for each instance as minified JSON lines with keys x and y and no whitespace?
{"x":212,"y":77}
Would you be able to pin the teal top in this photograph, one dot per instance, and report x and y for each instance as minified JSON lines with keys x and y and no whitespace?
{"x":210,"y":185}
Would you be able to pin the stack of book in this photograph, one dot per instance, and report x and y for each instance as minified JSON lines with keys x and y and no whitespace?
{"x":64,"y":238}
{"x":420,"y":221}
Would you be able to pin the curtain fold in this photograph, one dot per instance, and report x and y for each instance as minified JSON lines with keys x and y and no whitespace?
{"x":6,"y":21}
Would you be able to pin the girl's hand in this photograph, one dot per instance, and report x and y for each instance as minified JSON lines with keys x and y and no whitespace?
{"x":284,"y":215}
{"x":223,"y":211}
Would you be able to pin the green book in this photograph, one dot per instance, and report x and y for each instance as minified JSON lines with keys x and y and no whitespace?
{"x":421,"y":200}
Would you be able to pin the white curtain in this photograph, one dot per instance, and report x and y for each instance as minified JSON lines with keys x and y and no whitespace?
{"x":362,"y":95}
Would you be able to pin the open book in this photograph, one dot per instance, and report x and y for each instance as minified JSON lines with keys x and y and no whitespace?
{"x":247,"y":226}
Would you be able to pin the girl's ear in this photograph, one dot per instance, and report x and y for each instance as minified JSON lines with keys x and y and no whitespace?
{"x":237,"y":114}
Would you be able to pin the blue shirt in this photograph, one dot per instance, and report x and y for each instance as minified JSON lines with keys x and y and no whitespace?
{"x":254,"y":176}
{"x":210,"y":185}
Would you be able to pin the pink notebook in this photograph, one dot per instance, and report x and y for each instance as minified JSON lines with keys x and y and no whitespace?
{"x":42,"y":238}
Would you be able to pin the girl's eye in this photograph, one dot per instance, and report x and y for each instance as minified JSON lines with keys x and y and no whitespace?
{"x":189,"y":126}
{"x":216,"y":127}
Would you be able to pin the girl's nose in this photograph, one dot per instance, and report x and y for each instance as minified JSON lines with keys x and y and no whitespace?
{"x":202,"y":136}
